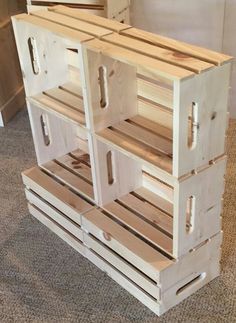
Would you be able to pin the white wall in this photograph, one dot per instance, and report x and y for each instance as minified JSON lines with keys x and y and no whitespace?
{"x":207,"y":23}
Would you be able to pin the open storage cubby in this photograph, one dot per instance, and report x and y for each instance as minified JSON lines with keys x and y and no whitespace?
{"x":129,"y":132}
{"x":168,"y":109}
{"x":49,"y":51}
{"x":180,"y":214}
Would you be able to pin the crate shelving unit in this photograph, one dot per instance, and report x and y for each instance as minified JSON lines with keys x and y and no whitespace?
{"x":129,"y":130}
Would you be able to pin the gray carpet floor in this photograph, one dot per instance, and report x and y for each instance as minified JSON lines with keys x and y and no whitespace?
{"x":42,"y":279}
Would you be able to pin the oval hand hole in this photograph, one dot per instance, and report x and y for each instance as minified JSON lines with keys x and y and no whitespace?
{"x":33,"y":55}
{"x":193,"y":126}
{"x":110,"y":175}
{"x":45,"y":130}
{"x":102,"y":77}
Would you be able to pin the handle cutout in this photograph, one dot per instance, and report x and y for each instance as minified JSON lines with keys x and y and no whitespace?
{"x":102,"y":78}
{"x":45,"y":130}
{"x":33,"y":55}
{"x":193,"y":126}
{"x":191,"y":283}
{"x":190,"y":212}
{"x":110,"y":175}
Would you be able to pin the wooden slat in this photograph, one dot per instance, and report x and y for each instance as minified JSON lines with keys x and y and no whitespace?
{"x":156,"y":93}
{"x":158,"y":187}
{"x":66,"y":98}
{"x":51,"y":104}
{"x":72,"y":23}
{"x":153,"y":126}
{"x":63,"y":234}
{"x":141,"y":227}
{"x":136,"y":251}
{"x":147,"y":66}
{"x":95,"y":20}
{"x":149,"y":212}
{"x":137,"y":150}
{"x":128,"y":270}
{"x":156,"y":52}
{"x":118,"y":277}
{"x":76,"y":166}
{"x":81,"y":2}
{"x":155,"y":113}
{"x":155,"y":200}
{"x":73,"y":89}
{"x":145,"y":136}
{"x":55,"y":215}
{"x":187,"y":49}
{"x":70,"y":179}
{"x":54,"y":193}
{"x":57,"y":29}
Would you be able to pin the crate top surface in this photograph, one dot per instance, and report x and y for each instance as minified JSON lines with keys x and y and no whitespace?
{"x":160,"y":56}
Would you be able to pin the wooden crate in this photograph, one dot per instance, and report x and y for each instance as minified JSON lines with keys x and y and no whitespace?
{"x":189,"y":210}
{"x":165,"y":107}
{"x":128,"y":256}
{"x":186,"y":213}
{"x":112,"y":9}
{"x":11,"y":85}
{"x":133,"y":125}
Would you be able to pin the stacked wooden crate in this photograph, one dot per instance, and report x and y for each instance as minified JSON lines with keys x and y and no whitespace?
{"x":11,"y":86}
{"x":129,"y":130}
{"x":112,"y":9}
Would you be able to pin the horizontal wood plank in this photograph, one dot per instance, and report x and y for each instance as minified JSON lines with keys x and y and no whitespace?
{"x":76,"y":166}
{"x":95,"y":20}
{"x":70,"y":179}
{"x":72,"y":23}
{"x":148,"y":211}
{"x":166,"y":55}
{"x":181,"y":47}
{"x":143,"y":135}
{"x":56,"y":194}
{"x":143,"y":228}
{"x":137,"y":149}
{"x":136,"y":251}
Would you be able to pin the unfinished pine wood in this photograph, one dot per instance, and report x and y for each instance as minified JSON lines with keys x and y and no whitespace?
{"x":111,"y":92}
{"x":181,"y":47}
{"x":163,"y":54}
{"x":135,"y":147}
{"x":111,"y":9}
{"x":155,"y":84}
{"x":206,"y":188}
{"x":55,"y":193}
{"x":70,"y":179}
{"x":56,"y":216}
{"x":54,"y":227}
{"x":72,"y":23}
{"x":48,"y":141}
{"x":198,"y":264}
{"x":120,"y":177}
{"x":134,"y":179}
{"x":98,"y":21}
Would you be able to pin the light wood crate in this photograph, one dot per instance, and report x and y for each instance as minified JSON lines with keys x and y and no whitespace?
{"x":129,"y":131}
{"x":112,"y":9}
{"x":59,"y":200}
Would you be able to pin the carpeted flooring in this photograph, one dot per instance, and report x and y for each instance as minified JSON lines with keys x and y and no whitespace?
{"x":42,"y":279}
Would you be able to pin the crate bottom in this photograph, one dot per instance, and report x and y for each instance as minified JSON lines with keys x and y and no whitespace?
{"x":59,"y":199}
{"x":169,"y":299}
